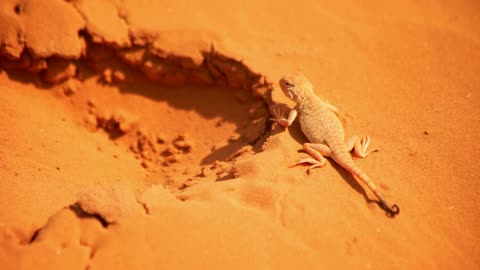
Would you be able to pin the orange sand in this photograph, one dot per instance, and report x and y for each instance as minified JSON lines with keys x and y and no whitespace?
{"x":135,"y":134}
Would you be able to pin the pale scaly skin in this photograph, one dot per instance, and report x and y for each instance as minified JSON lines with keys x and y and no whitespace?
{"x":325,"y":132}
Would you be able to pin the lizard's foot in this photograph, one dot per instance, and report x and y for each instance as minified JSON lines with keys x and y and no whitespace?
{"x":317,"y":151}
{"x":360,"y":146}
{"x":314,"y":163}
{"x":279,"y":114}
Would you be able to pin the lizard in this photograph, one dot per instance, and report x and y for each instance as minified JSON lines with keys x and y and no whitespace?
{"x":320,"y":124}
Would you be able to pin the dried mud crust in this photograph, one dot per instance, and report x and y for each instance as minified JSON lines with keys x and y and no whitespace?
{"x":140,"y":63}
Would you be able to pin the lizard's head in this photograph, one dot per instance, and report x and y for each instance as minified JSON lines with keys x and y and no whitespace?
{"x":295,"y":86}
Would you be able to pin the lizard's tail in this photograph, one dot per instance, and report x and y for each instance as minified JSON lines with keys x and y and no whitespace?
{"x":356,"y":171}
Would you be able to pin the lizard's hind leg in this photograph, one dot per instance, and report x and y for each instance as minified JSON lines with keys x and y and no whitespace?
{"x":359,"y":146}
{"x":318,"y":151}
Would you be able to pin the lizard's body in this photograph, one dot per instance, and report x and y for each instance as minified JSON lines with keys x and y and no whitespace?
{"x":318,"y":123}
{"x":325,"y":132}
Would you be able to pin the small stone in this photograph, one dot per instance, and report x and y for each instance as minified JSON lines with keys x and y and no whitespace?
{"x":90,"y":103}
{"x":234,"y":138}
{"x":148,"y":64}
{"x":70,"y":88}
{"x":119,"y":76}
{"x":146,"y":164}
{"x":91,"y":122}
{"x":206,"y":171}
{"x":181,"y":144}
{"x":107,"y":75}
{"x":160,"y":139}
{"x":171,"y":159}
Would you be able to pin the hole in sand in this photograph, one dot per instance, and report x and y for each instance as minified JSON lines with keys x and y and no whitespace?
{"x":16,"y":9}
{"x":184,"y":122}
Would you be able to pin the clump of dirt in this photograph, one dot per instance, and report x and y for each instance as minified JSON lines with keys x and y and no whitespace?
{"x":153,"y":150}
{"x":115,"y":124}
{"x":147,"y":146}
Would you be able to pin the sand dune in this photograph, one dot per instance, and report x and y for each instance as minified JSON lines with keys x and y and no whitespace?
{"x":136,"y":135}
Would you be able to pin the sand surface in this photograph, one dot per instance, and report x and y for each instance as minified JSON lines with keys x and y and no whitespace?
{"x":136,"y":134}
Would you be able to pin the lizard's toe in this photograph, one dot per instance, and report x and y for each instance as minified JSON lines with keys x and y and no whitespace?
{"x":309,"y":171}
{"x":362,"y":148}
{"x":313,"y":163}
{"x":276,"y":111}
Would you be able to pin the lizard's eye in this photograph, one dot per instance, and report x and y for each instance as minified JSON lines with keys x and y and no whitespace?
{"x":287,"y":83}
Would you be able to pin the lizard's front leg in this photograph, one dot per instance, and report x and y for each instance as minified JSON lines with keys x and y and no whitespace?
{"x":318,"y":151}
{"x":359,"y":146}
{"x":278,"y":114}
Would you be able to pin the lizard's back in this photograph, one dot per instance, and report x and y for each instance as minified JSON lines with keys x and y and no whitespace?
{"x":318,"y":123}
